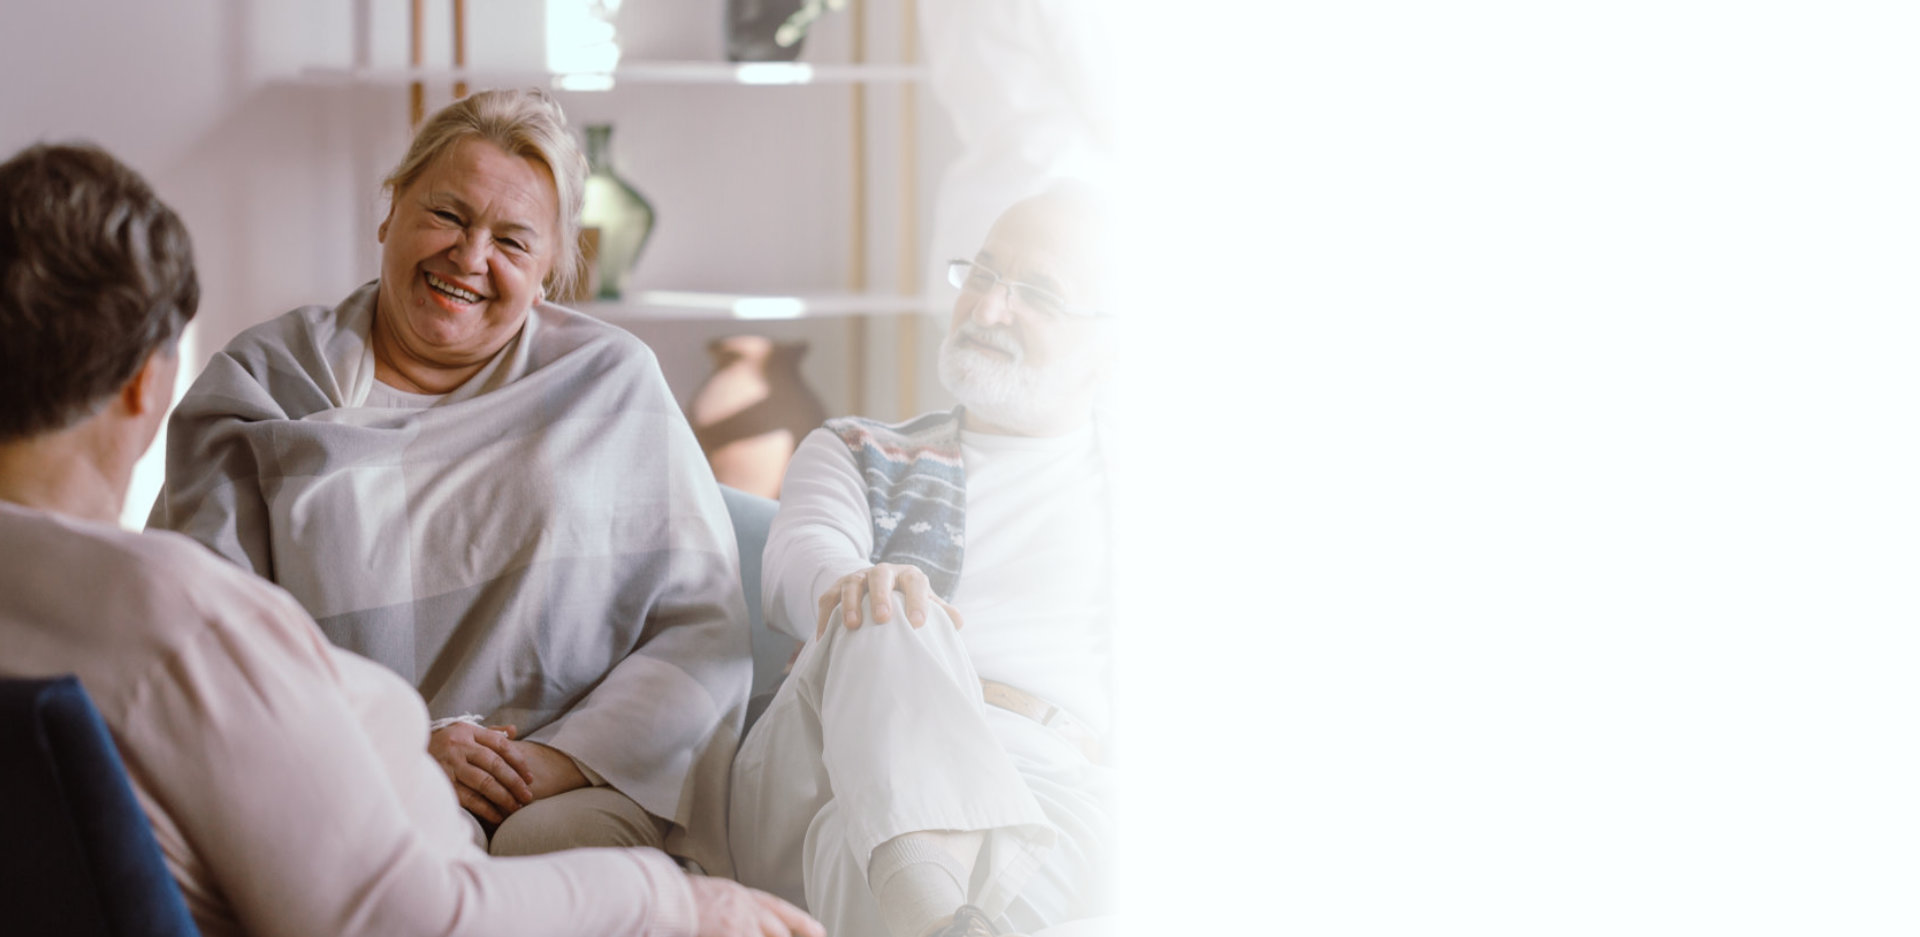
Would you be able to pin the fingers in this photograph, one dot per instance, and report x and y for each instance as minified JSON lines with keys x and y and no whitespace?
{"x":485,"y":761}
{"x":851,"y":589}
{"x":477,"y":805}
{"x":766,"y":923}
{"x":792,"y":920}
{"x":880,"y":585}
{"x":952,"y":613}
{"x":829,"y":600}
{"x":874,"y":582}
{"x":478,"y":780}
{"x":510,"y":771}
{"x":728,"y":908}
{"x":503,"y":760}
{"x":917,"y":590}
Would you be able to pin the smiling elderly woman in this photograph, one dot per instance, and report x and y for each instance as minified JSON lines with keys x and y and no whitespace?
{"x":494,"y":496}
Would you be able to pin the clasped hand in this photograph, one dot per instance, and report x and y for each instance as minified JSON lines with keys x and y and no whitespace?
{"x":494,"y":775}
{"x":881,"y":579}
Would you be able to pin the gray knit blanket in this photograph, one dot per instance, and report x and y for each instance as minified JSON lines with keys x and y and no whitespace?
{"x":545,"y":546}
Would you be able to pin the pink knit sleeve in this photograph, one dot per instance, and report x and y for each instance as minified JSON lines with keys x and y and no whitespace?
{"x":245,"y":736}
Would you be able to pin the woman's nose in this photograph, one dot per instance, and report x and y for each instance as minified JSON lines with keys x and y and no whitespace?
{"x":469,"y":253}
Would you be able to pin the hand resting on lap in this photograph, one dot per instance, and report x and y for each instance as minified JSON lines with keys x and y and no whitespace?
{"x":495,"y":775}
{"x":489,"y":773}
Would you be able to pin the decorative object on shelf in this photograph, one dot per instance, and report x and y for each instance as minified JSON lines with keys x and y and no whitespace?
{"x":771,"y":30}
{"x":753,"y":410}
{"x":679,"y":31}
{"x":623,"y":217}
{"x":583,"y":43}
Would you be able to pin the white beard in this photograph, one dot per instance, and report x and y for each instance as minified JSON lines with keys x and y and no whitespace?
{"x":1011,"y":393}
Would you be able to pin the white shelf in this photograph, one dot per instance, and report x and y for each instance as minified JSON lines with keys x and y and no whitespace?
{"x":669,"y":305}
{"x":683,"y":73}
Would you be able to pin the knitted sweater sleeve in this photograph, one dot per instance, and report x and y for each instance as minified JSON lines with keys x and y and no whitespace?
{"x":822,"y":532}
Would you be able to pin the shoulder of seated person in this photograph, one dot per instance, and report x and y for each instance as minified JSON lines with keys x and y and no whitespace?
{"x":562,"y":330}
{"x":147,"y":598}
{"x":175,"y":571}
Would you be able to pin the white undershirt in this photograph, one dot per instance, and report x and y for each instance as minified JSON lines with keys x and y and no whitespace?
{"x":1034,"y":588}
{"x":387,"y":396}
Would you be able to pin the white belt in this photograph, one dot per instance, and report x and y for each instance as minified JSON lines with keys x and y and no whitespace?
{"x":1022,"y":703}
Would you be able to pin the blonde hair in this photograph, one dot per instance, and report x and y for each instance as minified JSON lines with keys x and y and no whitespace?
{"x":524,"y":122}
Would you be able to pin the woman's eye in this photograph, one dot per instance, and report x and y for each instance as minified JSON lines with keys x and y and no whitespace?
{"x":446,"y":216}
{"x":514,"y":245}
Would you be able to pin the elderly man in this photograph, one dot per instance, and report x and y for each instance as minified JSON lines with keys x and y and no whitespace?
{"x":934,"y":763}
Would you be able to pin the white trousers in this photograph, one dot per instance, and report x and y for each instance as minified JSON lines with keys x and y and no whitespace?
{"x":882,"y":731}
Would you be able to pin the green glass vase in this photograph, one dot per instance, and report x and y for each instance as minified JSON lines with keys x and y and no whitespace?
{"x":623,"y":217}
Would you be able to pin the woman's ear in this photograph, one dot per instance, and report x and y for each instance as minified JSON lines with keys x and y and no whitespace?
{"x":151,"y":388}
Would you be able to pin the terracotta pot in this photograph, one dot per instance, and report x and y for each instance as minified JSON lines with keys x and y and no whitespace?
{"x":752,"y":411}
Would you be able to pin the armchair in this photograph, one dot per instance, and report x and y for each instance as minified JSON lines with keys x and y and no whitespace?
{"x":81,"y":859}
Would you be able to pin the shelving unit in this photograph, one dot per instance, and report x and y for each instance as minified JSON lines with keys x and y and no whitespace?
{"x":658,"y":305}
{"x":693,"y":73}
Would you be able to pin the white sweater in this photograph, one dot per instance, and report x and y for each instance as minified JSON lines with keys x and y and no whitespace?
{"x":1035,"y":589}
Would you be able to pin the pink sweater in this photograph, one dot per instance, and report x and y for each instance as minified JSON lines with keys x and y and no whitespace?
{"x":287,"y":781}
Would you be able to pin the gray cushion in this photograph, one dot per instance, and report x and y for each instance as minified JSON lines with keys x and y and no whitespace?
{"x":752,"y":516}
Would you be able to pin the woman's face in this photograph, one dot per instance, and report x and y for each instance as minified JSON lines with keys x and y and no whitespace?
{"x":464,"y":250}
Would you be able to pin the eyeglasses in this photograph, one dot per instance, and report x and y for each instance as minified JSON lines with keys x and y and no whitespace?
{"x":977,"y":278}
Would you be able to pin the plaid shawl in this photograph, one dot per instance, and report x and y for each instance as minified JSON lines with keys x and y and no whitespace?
{"x":544,"y":546}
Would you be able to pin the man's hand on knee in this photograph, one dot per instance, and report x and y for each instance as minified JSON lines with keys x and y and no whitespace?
{"x":730,"y":909}
{"x":881,"y":580}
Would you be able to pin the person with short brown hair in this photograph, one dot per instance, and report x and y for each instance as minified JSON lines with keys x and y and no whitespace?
{"x":84,"y":232}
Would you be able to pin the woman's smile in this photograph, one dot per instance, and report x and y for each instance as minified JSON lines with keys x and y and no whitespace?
{"x":453,"y":296}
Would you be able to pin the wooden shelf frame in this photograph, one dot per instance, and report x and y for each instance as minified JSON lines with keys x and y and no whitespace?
{"x":670,"y":305}
{"x":774,"y":74}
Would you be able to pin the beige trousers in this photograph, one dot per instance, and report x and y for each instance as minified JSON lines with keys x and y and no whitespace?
{"x":587,"y":816}
{"x":882,"y":731}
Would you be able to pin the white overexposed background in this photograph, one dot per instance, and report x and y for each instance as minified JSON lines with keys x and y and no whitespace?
{"x":1524,"y":481}
{"x":1523,"y":497}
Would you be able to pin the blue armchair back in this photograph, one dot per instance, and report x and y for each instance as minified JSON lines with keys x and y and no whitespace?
{"x":80,"y":858}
